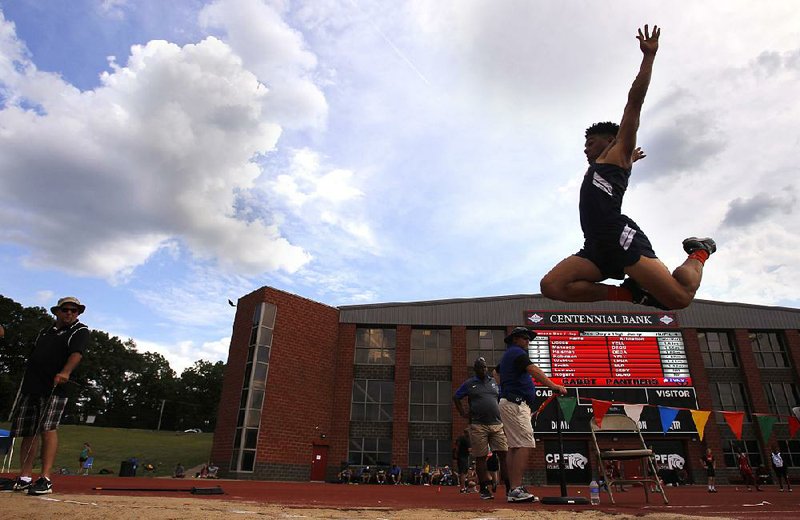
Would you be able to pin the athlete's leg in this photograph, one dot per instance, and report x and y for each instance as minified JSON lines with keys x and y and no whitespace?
{"x":574,"y":279}
{"x":674,"y":290}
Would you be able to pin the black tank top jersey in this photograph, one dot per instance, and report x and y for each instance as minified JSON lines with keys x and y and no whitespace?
{"x":600,"y":204}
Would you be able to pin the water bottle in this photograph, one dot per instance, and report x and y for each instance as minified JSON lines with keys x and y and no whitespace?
{"x":594,"y":492}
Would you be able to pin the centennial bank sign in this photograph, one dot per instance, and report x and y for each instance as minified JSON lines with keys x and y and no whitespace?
{"x":583,"y":320}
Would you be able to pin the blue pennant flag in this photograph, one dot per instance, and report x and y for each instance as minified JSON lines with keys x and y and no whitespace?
{"x":667,"y":416}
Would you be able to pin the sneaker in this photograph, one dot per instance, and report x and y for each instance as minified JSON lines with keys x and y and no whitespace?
{"x":486,"y":494}
{"x":640,"y":296}
{"x":692,"y":244}
{"x":18,"y":484}
{"x":518,"y":494}
{"x":42,"y":486}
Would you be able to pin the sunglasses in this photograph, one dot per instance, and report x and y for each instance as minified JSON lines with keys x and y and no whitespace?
{"x":68,"y":309}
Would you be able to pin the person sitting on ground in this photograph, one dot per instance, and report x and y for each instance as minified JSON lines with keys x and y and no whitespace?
{"x":366,"y":475}
{"x":471,"y":483}
{"x":426,"y":473}
{"x":380,"y":476}
{"x":416,"y":475}
{"x":213,"y":469}
{"x":180,"y":471}
{"x":355,"y":478}
{"x":436,"y":476}
{"x":345,"y":475}
{"x":447,"y":477}
{"x":203,"y":473}
{"x":395,"y":475}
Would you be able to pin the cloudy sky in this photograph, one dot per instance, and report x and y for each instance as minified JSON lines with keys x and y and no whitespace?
{"x":158,"y":158}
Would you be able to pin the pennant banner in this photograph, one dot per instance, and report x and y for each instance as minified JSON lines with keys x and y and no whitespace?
{"x":765,"y":424}
{"x":567,"y":405}
{"x":794,"y":425}
{"x":634,"y":411}
{"x":667,"y":416}
{"x":700,"y":418}
{"x":734,"y":420}
{"x":599,"y":409}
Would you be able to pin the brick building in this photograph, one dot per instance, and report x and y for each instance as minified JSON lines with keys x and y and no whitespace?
{"x":309,"y":387}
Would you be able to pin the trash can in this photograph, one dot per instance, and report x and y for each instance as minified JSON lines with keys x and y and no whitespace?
{"x":127,"y":469}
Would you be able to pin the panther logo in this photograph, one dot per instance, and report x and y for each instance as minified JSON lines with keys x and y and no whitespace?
{"x":575,"y":460}
{"x":675,"y":461}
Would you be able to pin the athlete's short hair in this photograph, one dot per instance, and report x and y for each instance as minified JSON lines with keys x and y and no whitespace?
{"x":605,"y":128}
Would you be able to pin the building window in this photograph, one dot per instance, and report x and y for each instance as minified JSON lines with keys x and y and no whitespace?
{"x":430,"y":401}
{"x":253,"y":388}
{"x":717,"y":349}
{"x":729,"y":397}
{"x":769,"y":350}
{"x":430,"y":347}
{"x":372,"y":400}
{"x":749,"y":448}
{"x":437,"y":451}
{"x":487,"y":343}
{"x":368,"y":451}
{"x":790,"y":452}
{"x":375,"y":346}
{"x":782,"y":397}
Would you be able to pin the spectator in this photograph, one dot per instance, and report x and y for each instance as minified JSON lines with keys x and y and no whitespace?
{"x":357,"y":474}
{"x":448,"y":479}
{"x":86,"y":452}
{"x":212,"y":470}
{"x":395,"y":475}
{"x":746,"y":471}
{"x":780,"y":468}
{"x":416,"y":475}
{"x":426,"y":472}
{"x":366,"y":475}
{"x":380,"y":476}
{"x":711,"y":470}
{"x":180,"y":471}
{"x":203,"y":473}
{"x":345,"y":475}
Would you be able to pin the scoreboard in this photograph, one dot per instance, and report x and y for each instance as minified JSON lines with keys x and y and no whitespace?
{"x":590,"y":358}
{"x":631,"y":358}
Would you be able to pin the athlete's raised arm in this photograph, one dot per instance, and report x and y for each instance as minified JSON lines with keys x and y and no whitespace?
{"x":621,"y":150}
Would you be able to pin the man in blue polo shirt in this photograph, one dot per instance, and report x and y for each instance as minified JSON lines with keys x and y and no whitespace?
{"x":517,"y":393}
{"x":485,"y":428}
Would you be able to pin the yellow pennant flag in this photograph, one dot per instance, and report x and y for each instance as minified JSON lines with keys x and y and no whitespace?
{"x":700,"y":418}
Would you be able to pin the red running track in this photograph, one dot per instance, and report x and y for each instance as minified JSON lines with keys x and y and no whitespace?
{"x":689,"y":500}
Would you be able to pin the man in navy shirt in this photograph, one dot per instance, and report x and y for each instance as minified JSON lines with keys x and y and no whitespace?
{"x":56,"y":353}
{"x":485,"y":428}
{"x":517,"y":393}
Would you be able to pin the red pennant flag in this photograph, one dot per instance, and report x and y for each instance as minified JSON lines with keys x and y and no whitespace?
{"x":599,"y":408}
{"x":794,"y":425}
{"x":735,"y":420}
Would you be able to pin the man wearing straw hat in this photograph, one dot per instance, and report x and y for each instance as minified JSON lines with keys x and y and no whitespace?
{"x":57,"y":351}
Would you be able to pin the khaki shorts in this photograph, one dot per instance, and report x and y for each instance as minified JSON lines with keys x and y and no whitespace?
{"x":483,"y":436}
{"x":517,"y":424}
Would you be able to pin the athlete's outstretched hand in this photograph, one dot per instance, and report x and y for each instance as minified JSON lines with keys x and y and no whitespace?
{"x":637,"y":154}
{"x":649,"y":42}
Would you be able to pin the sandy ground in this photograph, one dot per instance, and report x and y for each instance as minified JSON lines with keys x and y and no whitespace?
{"x":89,"y":507}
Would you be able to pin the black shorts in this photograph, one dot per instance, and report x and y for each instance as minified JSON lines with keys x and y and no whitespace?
{"x":781,"y":472}
{"x":492,"y":464}
{"x":612,"y":252}
{"x":710,"y":472}
{"x":463,"y":464}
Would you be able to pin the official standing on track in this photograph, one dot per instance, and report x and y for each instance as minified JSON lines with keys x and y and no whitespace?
{"x":56,"y":353}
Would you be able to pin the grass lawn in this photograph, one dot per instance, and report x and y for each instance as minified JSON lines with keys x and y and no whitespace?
{"x":111,"y":446}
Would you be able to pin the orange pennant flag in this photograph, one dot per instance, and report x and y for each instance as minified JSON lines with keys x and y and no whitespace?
{"x":599,"y":408}
{"x":700,"y":418}
{"x":735,"y":420}
{"x":794,"y":425}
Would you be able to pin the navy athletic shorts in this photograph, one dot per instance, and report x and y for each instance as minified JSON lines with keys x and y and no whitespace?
{"x":615,"y":251}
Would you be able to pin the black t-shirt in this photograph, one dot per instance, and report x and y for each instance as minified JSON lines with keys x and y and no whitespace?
{"x":50,"y":353}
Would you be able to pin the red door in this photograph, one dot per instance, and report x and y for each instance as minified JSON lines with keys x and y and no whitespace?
{"x":319,"y":462}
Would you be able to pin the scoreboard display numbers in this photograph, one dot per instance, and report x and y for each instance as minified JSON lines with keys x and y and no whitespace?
{"x":591,"y":358}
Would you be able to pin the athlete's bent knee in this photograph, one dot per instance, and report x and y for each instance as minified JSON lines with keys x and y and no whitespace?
{"x":677,"y":301}
{"x":551,"y":287}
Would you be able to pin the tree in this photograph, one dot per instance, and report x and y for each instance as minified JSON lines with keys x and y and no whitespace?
{"x":201,"y":384}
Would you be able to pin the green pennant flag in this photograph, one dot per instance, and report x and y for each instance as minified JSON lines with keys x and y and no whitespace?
{"x":765,"y":424}
{"x":567,"y":405}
